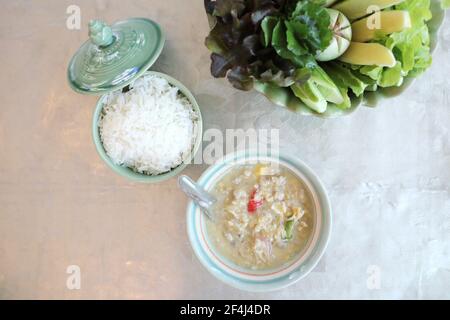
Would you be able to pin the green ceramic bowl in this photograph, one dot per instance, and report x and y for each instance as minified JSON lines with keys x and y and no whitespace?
{"x":129,"y":173}
{"x":283,"y":97}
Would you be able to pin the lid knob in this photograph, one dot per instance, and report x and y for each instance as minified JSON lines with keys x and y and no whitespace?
{"x":115,"y":56}
{"x":100,"y":33}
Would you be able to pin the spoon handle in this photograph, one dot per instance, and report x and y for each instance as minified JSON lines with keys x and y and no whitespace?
{"x":197,"y":194}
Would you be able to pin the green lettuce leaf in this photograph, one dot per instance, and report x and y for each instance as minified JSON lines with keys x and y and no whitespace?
{"x":373,"y":72}
{"x":392,"y":77}
{"x":268,"y":25}
{"x":344,"y":77}
{"x":310,"y":23}
{"x":299,"y":35}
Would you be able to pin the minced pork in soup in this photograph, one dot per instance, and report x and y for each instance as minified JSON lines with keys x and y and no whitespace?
{"x":264,"y":216}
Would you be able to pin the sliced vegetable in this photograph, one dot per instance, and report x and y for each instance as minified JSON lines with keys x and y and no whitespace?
{"x":326,"y":86}
{"x":310,"y":95}
{"x":380,"y":24}
{"x":329,"y":2}
{"x":342,"y":35}
{"x":354,"y":9}
{"x":325,"y":3}
{"x":289,"y":228}
{"x":265,"y":170}
{"x":347,"y":103}
{"x":283,"y":97}
{"x":318,"y":91}
{"x":267,"y":25}
{"x":368,"y":54}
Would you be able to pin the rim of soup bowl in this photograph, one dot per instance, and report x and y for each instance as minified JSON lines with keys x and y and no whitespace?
{"x":279,"y":278}
{"x":128,"y":172}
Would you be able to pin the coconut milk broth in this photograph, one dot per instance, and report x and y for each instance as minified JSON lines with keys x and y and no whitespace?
{"x":258,"y":239}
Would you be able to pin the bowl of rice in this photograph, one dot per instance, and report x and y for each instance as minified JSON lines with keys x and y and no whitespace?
{"x":150,"y":131}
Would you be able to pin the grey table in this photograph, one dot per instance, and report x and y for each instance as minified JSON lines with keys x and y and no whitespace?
{"x":387,"y":171}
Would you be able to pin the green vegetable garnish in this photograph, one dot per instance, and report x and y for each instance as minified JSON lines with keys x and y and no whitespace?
{"x":289,"y":228}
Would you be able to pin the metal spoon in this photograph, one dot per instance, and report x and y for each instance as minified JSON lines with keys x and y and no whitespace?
{"x":200,"y":196}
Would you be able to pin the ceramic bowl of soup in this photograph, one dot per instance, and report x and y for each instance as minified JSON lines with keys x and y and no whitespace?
{"x":271,"y":222}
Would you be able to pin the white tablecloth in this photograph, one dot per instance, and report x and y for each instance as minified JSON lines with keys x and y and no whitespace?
{"x":387,"y":171}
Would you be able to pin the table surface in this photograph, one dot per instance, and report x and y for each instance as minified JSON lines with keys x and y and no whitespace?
{"x":387,"y":171}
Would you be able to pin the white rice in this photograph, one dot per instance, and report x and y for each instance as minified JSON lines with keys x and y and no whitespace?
{"x":150,"y":129}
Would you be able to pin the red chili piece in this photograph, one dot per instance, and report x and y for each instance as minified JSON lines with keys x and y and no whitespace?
{"x":254,"y":204}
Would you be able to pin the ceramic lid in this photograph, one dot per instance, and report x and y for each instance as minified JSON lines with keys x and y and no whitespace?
{"x":115,"y":56}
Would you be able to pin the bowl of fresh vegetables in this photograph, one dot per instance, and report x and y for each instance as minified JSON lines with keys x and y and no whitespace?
{"x":323,"y":57}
